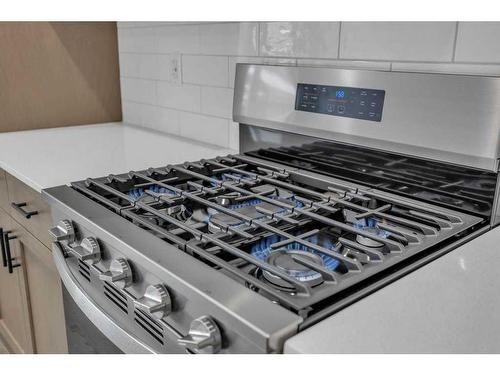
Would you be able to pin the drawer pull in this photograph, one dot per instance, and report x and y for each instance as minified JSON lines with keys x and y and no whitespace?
{"x":4,"y":256}
{"x":19,"y":208}
{"x":8,"y":254}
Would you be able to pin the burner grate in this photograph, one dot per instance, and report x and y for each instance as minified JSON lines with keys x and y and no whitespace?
{"x":355,"y":232}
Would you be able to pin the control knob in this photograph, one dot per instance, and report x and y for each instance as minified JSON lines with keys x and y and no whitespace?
{"x":63,"y":232}
{"x":88,"y":251}
{"x":156,"y":301}
{"x":119,"y":273}
{"x":203,"y":336}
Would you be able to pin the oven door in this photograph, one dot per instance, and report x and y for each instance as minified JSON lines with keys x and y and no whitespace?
{"x":89,"y":328}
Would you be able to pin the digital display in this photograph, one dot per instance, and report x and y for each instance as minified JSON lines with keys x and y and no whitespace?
{"x":359,"y":103}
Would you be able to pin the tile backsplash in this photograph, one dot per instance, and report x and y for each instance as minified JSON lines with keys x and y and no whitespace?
{"x":199,"y":104}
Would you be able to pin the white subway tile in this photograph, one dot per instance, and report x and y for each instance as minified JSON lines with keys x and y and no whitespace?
{"x":347,"y":64}
{"x":178,"y":38}
{"x":239,"y":38}
{"x":255,"y":60}
{"x":148,"y":66}
{"x":299,"y":39}
{"x":138,"y":90}
{"x":129,"y":64}
{"x":217,"y":101}
{"x":205,"y":70}
{"x":478,"y":42}
{"x":139,"y":40}
{"x":414,"y":41}
{"x":234,"y":136}
{"x":184,"y":97}
{"x":204,"y":128}
{"x":131,"y":112}
{"x":162,"y":119}
{"x":450,"y":68}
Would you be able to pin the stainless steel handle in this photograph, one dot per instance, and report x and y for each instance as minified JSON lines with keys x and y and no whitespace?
{"x":18,"y":208}
{"x":121,"y":338}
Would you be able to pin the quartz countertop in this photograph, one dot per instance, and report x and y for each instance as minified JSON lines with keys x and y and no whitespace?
{"x":450,"y":305}
{"x":50,"y":157}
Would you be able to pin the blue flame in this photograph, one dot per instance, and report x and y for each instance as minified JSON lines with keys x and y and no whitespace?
{"x":369,"y":223}
{"x":137,"y":193}
{"x":262,"y":249}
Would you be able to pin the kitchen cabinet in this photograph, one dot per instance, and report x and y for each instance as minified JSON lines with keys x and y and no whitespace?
{"x":15,"y":320}
{"x":45,"y":295}
{"x":31,"y":307}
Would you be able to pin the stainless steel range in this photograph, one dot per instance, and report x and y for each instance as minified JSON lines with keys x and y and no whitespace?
{"x":347,"y":180}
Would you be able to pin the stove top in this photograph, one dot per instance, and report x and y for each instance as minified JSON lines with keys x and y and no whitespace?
{"x":455,"y":187}
{"x":295,"y":237}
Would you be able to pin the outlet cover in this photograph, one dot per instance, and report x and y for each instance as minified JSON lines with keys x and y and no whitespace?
{"x":175,"y":69}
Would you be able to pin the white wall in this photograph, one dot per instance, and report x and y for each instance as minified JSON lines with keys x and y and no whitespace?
{"x":200,"y":107}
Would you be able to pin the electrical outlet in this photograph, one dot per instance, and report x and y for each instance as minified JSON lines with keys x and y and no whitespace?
{"x":175,"y":69}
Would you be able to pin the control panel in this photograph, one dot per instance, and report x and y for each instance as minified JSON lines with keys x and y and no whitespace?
{"x":359,"y":103}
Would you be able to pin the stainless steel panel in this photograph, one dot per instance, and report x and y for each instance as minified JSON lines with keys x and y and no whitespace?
{"x":450,"y":118}
{"x":194,"y":287}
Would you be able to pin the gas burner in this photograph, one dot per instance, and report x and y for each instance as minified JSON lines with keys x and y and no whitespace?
{"x":283,"y":258}
{"x":370,"y":226}
{"x":252,"y":208}
{"x":138,"y":193}
{"x":289,"y":262}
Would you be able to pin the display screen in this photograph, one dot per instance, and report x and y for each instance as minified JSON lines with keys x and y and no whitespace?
{"x":363,"y":104}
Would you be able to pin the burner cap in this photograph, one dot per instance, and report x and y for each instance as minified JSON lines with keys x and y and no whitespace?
{"x":368,"y":241}
{"x":282,"y":259}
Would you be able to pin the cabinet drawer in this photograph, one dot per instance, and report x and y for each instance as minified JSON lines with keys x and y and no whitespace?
{"x":45,"y":295}
{"x":28,"y":200}
{"x":4,"y":195}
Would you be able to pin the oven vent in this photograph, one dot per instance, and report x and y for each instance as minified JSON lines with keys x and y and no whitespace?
{"x":84,"y":270}
{"x":151,"y":326}
{"x":115,"y":296}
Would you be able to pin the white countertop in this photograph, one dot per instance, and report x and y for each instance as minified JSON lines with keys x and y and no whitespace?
{"x":51,"y":157}
{"x":451,"y":305}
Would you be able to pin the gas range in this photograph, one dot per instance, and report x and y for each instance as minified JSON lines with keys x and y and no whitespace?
{"x":241,"y":252}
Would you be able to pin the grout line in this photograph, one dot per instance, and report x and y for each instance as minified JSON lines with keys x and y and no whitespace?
{"x":177,"y":109}
{"x":338,"y":46}
{"x":455,"y":43}
{"x":258,"y":38}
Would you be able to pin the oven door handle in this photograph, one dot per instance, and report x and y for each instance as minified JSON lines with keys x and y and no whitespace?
{"x":122,"y":339}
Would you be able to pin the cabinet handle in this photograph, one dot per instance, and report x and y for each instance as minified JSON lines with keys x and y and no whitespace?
{"x":4,"y":256}
{"x":26,"y":214}
{"x":8,"y":254}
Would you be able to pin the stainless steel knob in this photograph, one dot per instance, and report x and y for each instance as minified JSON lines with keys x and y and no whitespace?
{"x":88,"y":251}
{"x":63,"y":232}
{"x":156,"y":301}
{"x":203,"y":336}
{"x":119,"y":273}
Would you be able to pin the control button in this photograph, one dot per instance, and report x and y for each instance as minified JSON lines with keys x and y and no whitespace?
{"x":63,"y":232}
{"x":314,"y":98}
{"x":371,"y":114}
{"x":313,"y":106}
{"x":362,"y":103}
{"x":341,"y":109}
{"x":305,"y":98}
{"x":156,"y":301}
{"x":88,"y":251}
{"x":120,"y":273}
{"x":203,"y":336}
{"x":373,"y":104}
{"x":330,"y":108}
{"x":363,"y":93}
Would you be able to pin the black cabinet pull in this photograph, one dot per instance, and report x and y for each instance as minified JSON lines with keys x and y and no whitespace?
{"x":4,"y":256}
{"x":8,"y":254}
{"x":26,"y":214}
